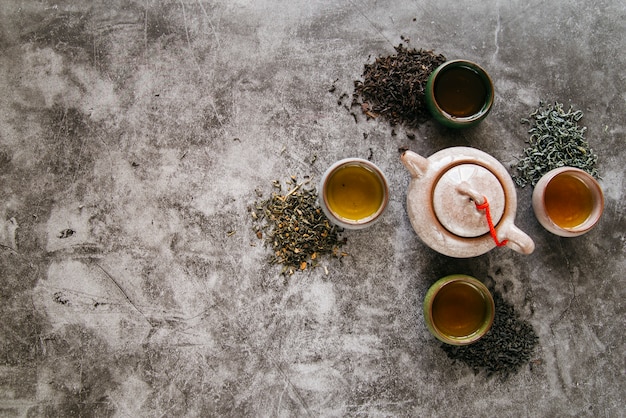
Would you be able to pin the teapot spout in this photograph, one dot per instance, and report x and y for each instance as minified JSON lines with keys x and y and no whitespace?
{"x":415,"y":163}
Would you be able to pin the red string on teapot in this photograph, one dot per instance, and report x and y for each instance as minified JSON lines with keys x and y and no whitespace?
{"x":485,"y":206}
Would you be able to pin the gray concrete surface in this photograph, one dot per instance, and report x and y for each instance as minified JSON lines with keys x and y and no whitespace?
{"x":147,"y":128}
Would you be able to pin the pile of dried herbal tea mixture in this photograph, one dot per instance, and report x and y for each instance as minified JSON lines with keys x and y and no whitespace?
{"x":555,"y":141}
{"x":507,"y":346}
{"x":393,"y":86}
{"x":296,"y":228}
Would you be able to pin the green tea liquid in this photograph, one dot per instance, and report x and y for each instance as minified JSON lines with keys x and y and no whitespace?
{"x":354,"y":192}
{"x":459,"y":309}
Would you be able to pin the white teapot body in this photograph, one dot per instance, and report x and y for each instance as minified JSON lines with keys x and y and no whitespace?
{"x":462,"y":203}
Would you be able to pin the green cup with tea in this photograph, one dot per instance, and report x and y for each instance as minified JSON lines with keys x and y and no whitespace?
{"x":568,"y":201}
{"x":458,"y":309}
{"x":354,"y":193}
{"x":459,"y":94}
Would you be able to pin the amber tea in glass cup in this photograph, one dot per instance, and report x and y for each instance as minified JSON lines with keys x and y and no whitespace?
{"x":458,"y":309}
{"x":354,"y":193}
{"x":568,"y":201}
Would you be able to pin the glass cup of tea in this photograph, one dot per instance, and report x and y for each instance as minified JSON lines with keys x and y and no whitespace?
{"x":354,"y":193}
{"x":458,"y":309}
{"x":568,"y":201}
{"x":459,"y":94}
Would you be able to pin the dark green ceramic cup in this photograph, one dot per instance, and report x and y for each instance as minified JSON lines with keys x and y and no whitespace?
{"x":458,"y":309}
{"x":459,"y":94}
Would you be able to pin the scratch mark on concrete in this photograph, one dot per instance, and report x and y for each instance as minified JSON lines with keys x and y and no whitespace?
{"x":107,"y":274}
{"x":557,"y":362}
{"x":293,"y":387}
{"x":280,"y":398}
{"x":6,"y":247}
{"x":495,"y":36}
{"x":182,"y":5}
{"x":145,"y":29}
{"x":370,"y":22}
{"x":572,"y":299}
{"x":264,"y":354}
{"x":7,"y":233}
{"x":16,"y":335}
{"x":217,"y":39}
{"x":572,"y":273}
{"x":217,"y":115}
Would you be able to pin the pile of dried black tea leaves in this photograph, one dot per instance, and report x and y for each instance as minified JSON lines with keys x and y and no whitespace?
{"x":393,"y":86}
{"x":505,"y":349}
{"x":556,"y":140}
{"x":295,"y":227}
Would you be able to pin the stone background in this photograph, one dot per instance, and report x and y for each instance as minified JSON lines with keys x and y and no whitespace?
{"x":134,"y":136}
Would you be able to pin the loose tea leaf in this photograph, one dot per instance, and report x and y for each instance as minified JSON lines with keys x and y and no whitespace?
{"x":555,"y":141}
{"x":393,"y":86}
{"x":507,"y":346}
{"x":66,"y":233}
{"x":296,"y":228}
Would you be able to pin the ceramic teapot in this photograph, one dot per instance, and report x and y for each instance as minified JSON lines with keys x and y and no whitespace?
{"x":462,"y":202}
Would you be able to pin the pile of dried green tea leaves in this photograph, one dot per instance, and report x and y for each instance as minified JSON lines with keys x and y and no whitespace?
{"x":555,"y":141}
{"x":507,"y":346}
{"x":393,"y":86}
{"x":296,"y":228}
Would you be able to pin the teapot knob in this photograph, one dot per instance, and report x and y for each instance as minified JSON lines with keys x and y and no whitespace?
{"x":466,"y":189}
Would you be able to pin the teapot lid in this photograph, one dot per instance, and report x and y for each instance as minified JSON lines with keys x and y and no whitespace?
{"x":456,"y":195}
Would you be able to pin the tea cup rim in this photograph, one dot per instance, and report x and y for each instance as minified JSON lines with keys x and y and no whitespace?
{"x":428,"y":304}
{"x":539,"y":208}
{"x":344,"y":222}
{"x":440,"y":114}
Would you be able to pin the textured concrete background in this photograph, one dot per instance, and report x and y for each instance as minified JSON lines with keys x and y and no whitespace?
{"x":148,"y":127}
